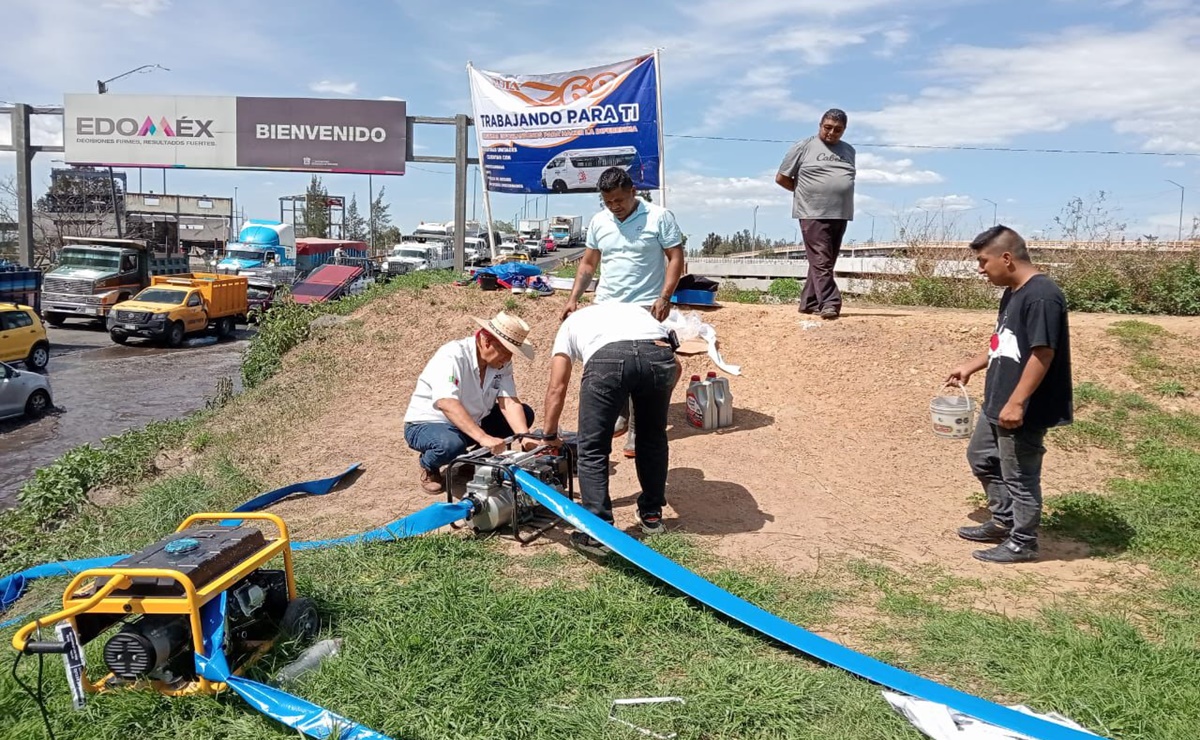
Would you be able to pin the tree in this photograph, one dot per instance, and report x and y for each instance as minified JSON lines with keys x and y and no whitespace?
{"x":505,"y":227}
{"x":388,"y":237}
{"x":711,"y":244}
{"x":316,"y":209}
{"x":1091,"y":220}
{"x":356,"y":225}
{"x":645,"y":195}
{"x":380,"y":219}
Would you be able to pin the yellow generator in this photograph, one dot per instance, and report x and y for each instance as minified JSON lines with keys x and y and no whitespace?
{"x":149,"y":604}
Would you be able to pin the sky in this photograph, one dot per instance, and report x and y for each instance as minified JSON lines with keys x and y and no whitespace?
{"x":957,"y":75}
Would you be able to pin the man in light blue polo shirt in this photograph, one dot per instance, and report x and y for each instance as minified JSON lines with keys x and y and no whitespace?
{"x":638,"y":247}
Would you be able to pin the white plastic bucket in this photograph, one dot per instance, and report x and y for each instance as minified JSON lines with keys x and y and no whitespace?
{"x":952,"y":416}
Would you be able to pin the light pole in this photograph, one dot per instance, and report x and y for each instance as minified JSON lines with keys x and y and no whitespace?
{"x":1181,"y":193}
{"x":101,"y":88}
{"x":872,"y":215}
{"x":993,"y":210}
{"x":754,"y":228}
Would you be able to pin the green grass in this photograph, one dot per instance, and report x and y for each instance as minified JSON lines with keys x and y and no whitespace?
{"x":447,"y":637}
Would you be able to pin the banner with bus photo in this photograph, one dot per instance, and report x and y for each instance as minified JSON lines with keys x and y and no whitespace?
{"x":556,"y":133}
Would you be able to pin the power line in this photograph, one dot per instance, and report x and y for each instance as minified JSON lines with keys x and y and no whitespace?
{"x":1021,"y":150}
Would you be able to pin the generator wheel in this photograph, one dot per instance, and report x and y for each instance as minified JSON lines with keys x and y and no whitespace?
{"x":300,"y":620}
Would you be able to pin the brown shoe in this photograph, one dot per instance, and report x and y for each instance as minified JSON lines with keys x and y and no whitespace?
{"x":431,"y":481}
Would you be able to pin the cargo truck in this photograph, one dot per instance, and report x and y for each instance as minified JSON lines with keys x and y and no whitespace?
{"x":176,"y":306}
{"x":260,"y":244}
{"x":21,"y":285}
{"x":94,"y":274}
{"x":567,"y":231}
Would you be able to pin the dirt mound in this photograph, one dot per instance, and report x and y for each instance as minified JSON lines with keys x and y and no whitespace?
{"x":831,"y":454}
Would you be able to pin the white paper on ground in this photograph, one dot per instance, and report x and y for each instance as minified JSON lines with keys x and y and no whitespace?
{"x":942,"y":723}
{"x":690,"y":326}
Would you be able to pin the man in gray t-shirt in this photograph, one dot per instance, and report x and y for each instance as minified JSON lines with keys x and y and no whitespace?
{"x":819,"y":171}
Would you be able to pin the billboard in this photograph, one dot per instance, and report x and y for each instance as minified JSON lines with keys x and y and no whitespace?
{"x":557,"y":133}
{"x":302,"y":134}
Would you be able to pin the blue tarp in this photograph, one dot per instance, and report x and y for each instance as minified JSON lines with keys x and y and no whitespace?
{"x":507,"y":270}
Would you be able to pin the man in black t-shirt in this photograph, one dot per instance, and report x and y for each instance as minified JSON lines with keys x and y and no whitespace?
{"x":1028,"y":390}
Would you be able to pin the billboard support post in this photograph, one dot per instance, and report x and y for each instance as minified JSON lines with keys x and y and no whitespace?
{"x":460,"y":190}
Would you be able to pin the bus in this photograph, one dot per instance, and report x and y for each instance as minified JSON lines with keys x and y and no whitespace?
{"x":579,"y":169}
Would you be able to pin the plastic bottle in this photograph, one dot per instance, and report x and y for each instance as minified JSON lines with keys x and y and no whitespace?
{"x":723,"y":398}
{"x":701,"y":406}
{"x":308,"y":660}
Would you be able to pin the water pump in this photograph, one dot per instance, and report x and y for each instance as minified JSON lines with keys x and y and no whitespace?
{"x":498,"y":501}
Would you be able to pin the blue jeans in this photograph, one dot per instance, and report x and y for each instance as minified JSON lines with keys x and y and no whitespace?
{"x":440,"y":443}
{"x":1008,"y":463}
{"x":641,"y":373}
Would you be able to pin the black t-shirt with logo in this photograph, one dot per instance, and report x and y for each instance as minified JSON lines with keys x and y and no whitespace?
{"x":1033,"y":316}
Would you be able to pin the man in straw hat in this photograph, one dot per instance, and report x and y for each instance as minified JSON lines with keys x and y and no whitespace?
{"x":627,"y":356}
{"x":466,"y":395}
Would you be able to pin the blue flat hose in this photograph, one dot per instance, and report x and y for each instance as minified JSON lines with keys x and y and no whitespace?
{"x":783,"y":631}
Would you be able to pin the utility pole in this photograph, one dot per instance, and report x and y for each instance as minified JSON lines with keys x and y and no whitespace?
{"x":754,"y":230}
{"x":1181,"y":194}
{"x":993,"y":210}
{"x":872,"y":215}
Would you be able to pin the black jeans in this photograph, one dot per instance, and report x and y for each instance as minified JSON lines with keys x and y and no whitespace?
{"x":822,"y":244}
{"x":642,"y":372}
{"x":1008,"y":462}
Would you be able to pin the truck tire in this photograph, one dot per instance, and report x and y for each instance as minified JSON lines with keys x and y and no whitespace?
{"x":39,"y":357}
{"x":175,"y":334}
{"x":53,"y":318}
{"x":119,"y":338}
{"x":225,"y":327}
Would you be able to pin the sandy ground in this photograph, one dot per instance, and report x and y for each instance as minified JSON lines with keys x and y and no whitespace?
{"x":831,"y":455}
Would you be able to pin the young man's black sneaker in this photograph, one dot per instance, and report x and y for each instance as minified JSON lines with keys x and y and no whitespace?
{"x":652,"y":523}
{"x":1007,"y":552}
{"x":584,"y":542}
{"x":989,"y":531}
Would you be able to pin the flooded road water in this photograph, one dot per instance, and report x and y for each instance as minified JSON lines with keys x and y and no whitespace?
{"x":101,"y":389}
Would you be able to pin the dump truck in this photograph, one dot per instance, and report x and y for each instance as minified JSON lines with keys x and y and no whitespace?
{"x":175,"y":306}
{"x":94,"y":274}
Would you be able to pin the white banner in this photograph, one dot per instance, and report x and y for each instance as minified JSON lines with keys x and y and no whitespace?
{"x":149,"y":130}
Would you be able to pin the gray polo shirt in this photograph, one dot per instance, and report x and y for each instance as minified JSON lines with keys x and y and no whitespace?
{"x":824,"y":178}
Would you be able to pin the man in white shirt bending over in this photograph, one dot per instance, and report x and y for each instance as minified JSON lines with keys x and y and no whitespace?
{"x":466,"y":395}
{"x":627,"y":355}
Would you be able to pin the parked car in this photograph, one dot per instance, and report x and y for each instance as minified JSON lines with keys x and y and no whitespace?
{"x":23,"y":393}
{"x":511,"y":252}
{"x":23,"y":337}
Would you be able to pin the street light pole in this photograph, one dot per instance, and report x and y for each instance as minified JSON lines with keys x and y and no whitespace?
{"x":1181,"y":193}
{"x":754,"y":229}
{"x":993,"y":210}
{"x":101,"y":88}
{"x":872,"y":215}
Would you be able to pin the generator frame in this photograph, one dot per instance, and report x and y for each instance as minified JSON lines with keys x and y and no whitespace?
{"x":189,"y":604}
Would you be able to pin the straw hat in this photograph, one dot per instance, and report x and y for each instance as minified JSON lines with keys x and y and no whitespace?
{"x":511,"y":331}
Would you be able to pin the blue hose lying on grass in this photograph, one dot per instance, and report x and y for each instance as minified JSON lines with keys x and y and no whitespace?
{"x":783,"y":631}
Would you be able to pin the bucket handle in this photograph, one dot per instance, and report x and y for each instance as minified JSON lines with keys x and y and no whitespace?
{"x":956,"y":384}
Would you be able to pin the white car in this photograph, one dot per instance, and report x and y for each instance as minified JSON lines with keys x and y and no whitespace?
{"x":23,"y":393}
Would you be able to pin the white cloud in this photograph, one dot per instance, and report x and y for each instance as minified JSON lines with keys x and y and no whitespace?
{"x":144,"y":8}
{"x":755,"y":12}
{"x":876,"y":170}
{"x":335,"y":88}
{"x":946,"y":203}
{"x":1137,"y":81}
{"x":690,"y":191}
{"x":816,"y":45}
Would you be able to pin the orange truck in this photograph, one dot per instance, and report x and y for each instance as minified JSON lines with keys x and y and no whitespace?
{"x":176,"y":306}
